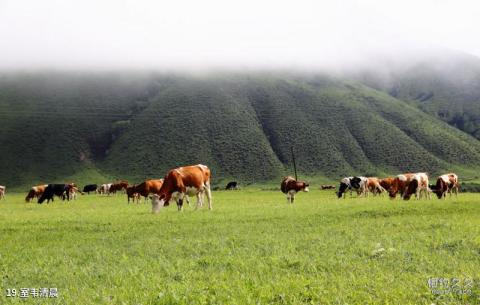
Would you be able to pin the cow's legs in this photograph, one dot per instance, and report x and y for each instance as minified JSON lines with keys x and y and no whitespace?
{"x":208,"y":192}
{"x":179,"y":200}
{"x":200,"y":199}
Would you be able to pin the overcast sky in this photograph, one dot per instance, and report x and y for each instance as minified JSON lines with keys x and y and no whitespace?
{"x":221,"y":33}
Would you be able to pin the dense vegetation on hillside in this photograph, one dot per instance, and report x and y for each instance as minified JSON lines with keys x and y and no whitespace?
{"x":93,"y":127}
{"x":446,"y":86}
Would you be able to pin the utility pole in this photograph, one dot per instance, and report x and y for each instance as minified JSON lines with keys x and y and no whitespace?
{"x":294,"y":164}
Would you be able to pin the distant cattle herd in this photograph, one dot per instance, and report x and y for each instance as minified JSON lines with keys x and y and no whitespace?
{"x":405,"y":185}
{"x":178,"y":184}
{"x":182,"y":182}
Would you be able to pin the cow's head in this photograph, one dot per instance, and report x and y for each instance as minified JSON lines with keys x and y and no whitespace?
{"x":157,"y":203}
{"x":440,"y":188}
{"x":304,"y":186}
{"x":394,"y":188}
{"x":342,"y":189}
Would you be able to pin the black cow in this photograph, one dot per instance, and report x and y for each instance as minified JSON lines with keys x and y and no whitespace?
{"x":61,"y":190}
{"x":232,"y":185}
{"x":90,"y":188}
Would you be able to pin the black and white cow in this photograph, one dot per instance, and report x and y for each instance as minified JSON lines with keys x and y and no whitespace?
{"x":359,"y":184}
{"x":232,"y":185}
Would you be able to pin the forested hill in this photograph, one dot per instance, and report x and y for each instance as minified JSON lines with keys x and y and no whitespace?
{"x":445,"y":85}
{"x":90,"y":127}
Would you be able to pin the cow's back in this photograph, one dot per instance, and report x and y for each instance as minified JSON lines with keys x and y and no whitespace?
{"x":387,"y":183}
{"x":285,"y":185}
{"x":190,"y":176}
{"x":153,"y":186}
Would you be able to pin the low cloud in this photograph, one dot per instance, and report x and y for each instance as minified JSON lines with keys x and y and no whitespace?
{"x":222,"y":34}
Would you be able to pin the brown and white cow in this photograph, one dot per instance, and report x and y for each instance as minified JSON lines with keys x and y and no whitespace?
{"x":35,"y":192}
{"x":2,"y":191}
{"x":147,"y":187}
{"x":374,"y":186}
{"x":400,"y":184}
{"x":290,"y":186}
{"x":417,"y":185}
{"x":118,"y":186}
{"x":73,"y":190}
{"x":387,"y":183}
{"x":181,"y":182}
{"x":447,"y":183}
{"x":133,"y":194}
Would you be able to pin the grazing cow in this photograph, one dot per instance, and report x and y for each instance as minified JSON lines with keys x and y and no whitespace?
{"x":132,"y":193}
{"x":359,"y":184}
{"x":418,"y":184}
{"x":148,"y":187}
{"x":90,"y":188}
{"x":73,"y":191}
{"x":122,"y":185}
{"x":447,"y":183}
{"x":104,"y":188}
{"x":232,"y":185}
{"x":400,"y":184}
{"x":290,"y":186}
{"x":182,"y":181}
{"x":327,"y":187}
{"x":387,"y":183}
{"x":374,"y":186}
{"x":2,"y":192}
{"x":35,"y":192}
{"x":61,"y":190}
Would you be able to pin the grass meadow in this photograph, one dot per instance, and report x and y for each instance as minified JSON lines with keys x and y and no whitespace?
{"x":252,"y":248}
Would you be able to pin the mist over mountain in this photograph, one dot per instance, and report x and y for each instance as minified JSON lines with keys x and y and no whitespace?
{"x":444,"y":84}
{"x":95,"y":126}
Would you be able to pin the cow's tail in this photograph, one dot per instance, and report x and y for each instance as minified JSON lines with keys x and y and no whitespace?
{"x":207,"y":176}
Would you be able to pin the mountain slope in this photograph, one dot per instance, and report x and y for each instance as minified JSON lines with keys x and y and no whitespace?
{"x":445,"y":85}
{"x":93,"y":127}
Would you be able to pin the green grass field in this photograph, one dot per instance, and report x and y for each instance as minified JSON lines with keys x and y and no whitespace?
{"x":252,"y":248}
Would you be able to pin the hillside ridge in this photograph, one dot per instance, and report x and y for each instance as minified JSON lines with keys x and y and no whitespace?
{"x":98,"y":127}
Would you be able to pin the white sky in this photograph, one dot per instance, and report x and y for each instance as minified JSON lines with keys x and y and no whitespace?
{"x":215,"y":33}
